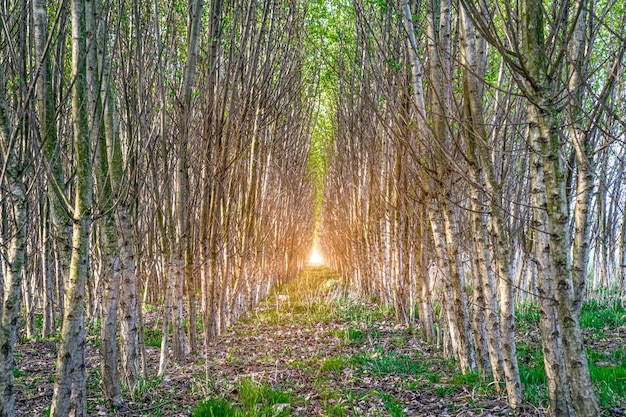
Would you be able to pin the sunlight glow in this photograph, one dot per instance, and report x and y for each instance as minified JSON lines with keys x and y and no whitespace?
{"x":316,"y":258}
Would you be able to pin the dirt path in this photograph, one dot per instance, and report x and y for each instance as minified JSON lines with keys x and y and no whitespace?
{"x":326,"y":352}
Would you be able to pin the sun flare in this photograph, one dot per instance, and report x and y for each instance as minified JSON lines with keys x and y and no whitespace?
{"x":316,"y":258}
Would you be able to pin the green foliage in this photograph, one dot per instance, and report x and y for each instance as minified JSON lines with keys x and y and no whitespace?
{"x":335,"y":364}
{"x":526,"y":316}
{"x":254,"y":399}
{"x":338,"y":410}
{"x":152,"y":336}
{"x":395,"y":408}
{"x":348,"y":336}
{"x":217,"y":407}
{"x":146,"y":389}
{"x":598,"y":314}
{"x":608,"y":369}
{"x":382,"y":362}
{"x":352,"y":311}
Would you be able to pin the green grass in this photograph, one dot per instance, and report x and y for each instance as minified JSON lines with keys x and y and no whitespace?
{"x":335,"y":364}
{"x":217,"y":407}
{"x":384,"y":363}
{"x":599,"y":315}
{"x":350,"y":336}
{"x":152,"y":336}
{"x":395,"y":408}
{"x":298,"y":302}
{"x":608,"y":369}
{"x":361,"y":315}
{"x":526,"y":316}
{"x":301,"y":301}
{"x":609,"y":379}
{"x":253,"y":399}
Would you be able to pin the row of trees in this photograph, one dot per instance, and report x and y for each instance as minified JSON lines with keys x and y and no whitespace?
{"x":477,"y":158}
{"x":152,"y":152}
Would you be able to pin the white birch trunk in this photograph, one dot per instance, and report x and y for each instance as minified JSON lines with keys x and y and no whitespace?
{"x":70,"y":389}
{"x":12,"y":279}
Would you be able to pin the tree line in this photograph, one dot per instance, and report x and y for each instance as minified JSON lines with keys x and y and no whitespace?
{"x":476,"y":160}
{"x":152,"y":153}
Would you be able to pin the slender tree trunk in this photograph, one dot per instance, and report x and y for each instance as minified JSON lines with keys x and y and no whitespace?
{"x":47,"y":260}
{"x":444,"y":267}
{"x":461,"y":308}
{"x":502,"y":348}
{"x":560,"y":401}
{"x":487,"y":286}
{"x":70,"y":381}
{"x":16,"y":215}
{"x":51,"y":145}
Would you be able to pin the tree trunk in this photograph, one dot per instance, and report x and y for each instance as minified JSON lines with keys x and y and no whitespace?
{"x":12,"y":279}
{"x":475,"y":63}
{"x":70,"y":382}
{"x":560,"y":401}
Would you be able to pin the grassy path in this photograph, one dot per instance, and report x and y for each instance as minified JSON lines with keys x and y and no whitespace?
{"x":312,"y":349}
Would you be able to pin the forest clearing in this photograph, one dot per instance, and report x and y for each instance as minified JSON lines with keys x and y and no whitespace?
{"x":168,"y":169}
{"x":313,"y":348}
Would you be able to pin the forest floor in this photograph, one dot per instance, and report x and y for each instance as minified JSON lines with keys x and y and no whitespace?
{"x":311,"y":349}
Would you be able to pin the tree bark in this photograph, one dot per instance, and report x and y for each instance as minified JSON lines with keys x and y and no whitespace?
{"x":12,"y":280}
{"x":69,"y":394}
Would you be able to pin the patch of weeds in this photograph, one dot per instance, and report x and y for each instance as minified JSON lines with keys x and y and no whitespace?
{"x":349,"y":336}
{"x":338,"y":410}
{"x":382,"y":363}
{"x":17,"y":373}
{"x":480,"y":385}
{"x":434,"y":377}
{"x":332,"y":401}
{"x":38,"y":324}
{"x":414,"y":385}
{"x":526,"y":316}
{"x":146,"y":389}
{"x":444,"y":390}
{"x":469,"y":378}
{"x":152,"y":336}
{"x":395,"y":408}
{"x":93,"y":378}
{"x":608,"y":373}
{"x":231,"y":356}
{"x":217,"y":407}
{"x":533,"y":377}
{"x":272,"y":317}
{"x":362,"y":315}
{"x":319,"y":312}
{"x":261,"y":399}
{"x":354,"y":336}
{"x":400,"y":339}
{"x":599,"y":314}
{"x":334,"y":364}
{"x":203,"y":384}
{"x":300,"y":364}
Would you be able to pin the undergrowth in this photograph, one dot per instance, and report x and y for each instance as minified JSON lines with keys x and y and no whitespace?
{"x":373,"y":349}
{"x":251,"y":399}
{"x":607,"y":366}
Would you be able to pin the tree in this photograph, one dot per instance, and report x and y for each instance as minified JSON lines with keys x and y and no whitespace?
{"x":70,"y":394}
